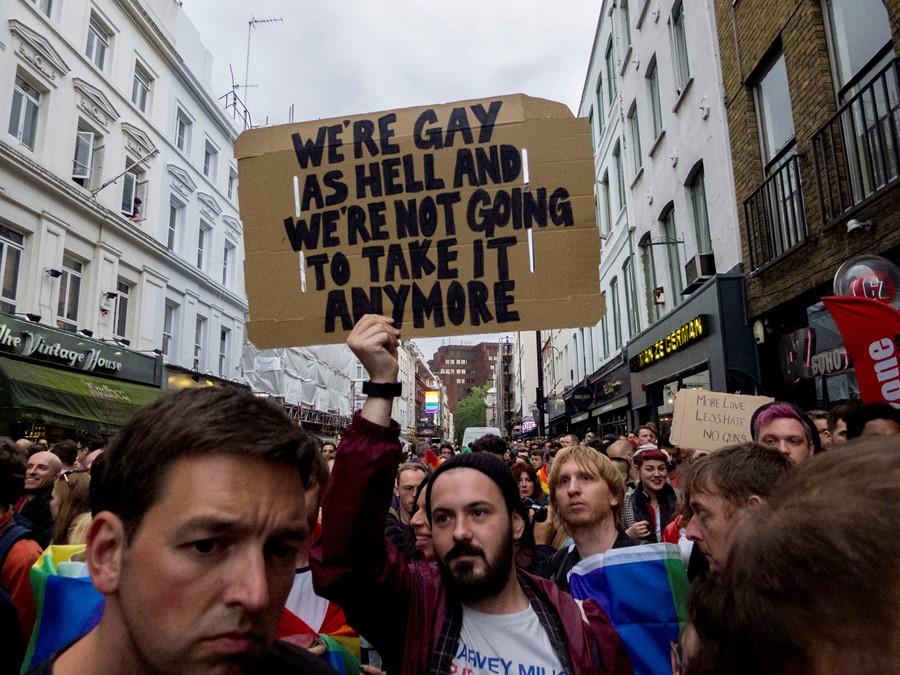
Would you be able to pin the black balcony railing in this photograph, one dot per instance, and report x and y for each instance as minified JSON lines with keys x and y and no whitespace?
{"x":857,"y":153}
{"x":774,"y":216}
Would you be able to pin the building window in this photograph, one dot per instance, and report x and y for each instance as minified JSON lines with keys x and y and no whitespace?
{"x":176,"y":215}
{"x":610,"y":73}
{"x":679,"y":49}
{"x":121,"y":319}
{"x":46,"y":6}
{"x":604,"y":330}
{"x":605,"y":205}
{"x":649,"y":266}
{"x":701,"y":215}
{"x":600,"y":120}
{"x":168,"y":334}
{"x":360,"y":372}
{"x":671,"y":235}
{"x":655,"y":106}
{"x":210,"y":160}
{"x":182,"y":131}
{"x":140,"y":87}
{"x":774,"y":112}
{"x":631,"y":304}
{"x":23,"y":119}
{"x":591,"y":127}
{"x":203,"y":238}
{"x":232,"y":183}
{"x":11,"y":248}
{"x":635,"y":127}
{"x":87,"y":166}
{"x":224,"y":348}
{"x":199,"y":341}
{"x":616,"y":313}
{"x":625,"y":17}
{"x":858,"y":30}
{"x":620,"y":178}
{"x":69,"y":294}
{"x":134,"y":190}
{"x":227,"y":262}
{"x":97,"y":42}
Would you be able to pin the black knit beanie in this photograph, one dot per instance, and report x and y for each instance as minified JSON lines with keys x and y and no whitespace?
{"x":491,"y":466}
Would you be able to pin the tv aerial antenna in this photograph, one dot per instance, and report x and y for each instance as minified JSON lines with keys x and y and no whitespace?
{"x":234,"y":103}
{"x":253,"y":23}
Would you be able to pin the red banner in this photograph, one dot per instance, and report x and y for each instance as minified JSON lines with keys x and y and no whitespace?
{"x":871,"y":332}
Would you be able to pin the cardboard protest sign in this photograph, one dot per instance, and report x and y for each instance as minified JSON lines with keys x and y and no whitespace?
{"x":709,"y":420}
{"x":470,"y":217}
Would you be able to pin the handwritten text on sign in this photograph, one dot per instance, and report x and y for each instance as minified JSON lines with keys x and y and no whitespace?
{"x":709,"y":420}
{"x":422,"y":214}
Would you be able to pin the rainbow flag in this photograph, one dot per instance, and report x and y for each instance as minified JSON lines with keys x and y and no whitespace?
{"x":68,"y":605}
{"x":341,"y":642}
{"x":643,"y":590}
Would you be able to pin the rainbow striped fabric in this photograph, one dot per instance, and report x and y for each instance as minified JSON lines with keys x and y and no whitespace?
{"x":67,"y":604}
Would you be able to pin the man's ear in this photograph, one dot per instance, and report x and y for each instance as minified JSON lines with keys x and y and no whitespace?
{"x":105,"y":546}
{"x":754,"y":500}
{"x":518,"y":526}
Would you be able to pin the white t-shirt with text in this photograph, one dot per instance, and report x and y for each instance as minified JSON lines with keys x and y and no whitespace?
{"x":504,"y":644}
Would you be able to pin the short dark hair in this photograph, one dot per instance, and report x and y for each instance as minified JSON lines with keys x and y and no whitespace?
{"x":839,"y":412}
{"x":803,"y":573}
{"x":195,"y":422}
{"x":857,"y":418}
{"x":12,"y":472}
{"x":489,"y":443}
{"x":67,"y":451}
{"x":737,"y":472}
{"x":90,"y":440}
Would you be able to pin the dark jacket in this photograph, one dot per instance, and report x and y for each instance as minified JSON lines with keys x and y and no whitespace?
{"x":403,"y":609}
{"x":639,"y":503}
{"x":557,"y":567}
{"x":37,"y":511}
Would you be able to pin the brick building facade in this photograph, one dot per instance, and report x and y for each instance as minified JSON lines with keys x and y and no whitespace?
{"x":812,"y":89}
{"x":463,"y":367}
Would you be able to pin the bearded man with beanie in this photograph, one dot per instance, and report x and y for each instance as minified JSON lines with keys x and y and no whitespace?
{"x":473,"y":606}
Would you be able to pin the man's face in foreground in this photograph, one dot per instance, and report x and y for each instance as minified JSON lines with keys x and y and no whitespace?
{"x":712,"y":526}
{"x":202,"y":583}
{"x":473,"y":533}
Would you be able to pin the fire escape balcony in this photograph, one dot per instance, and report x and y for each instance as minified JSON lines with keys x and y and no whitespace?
{"x":857,"y":152}
{"x":774,"y":215}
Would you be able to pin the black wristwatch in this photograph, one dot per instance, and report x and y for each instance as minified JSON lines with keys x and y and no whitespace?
{"x":382,"y":389}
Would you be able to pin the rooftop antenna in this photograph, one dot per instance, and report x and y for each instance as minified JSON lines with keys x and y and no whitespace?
{"x":234,"y":103}
{"x":250,"y":25}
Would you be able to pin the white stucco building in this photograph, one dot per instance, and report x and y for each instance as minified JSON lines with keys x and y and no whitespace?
{"x":666,"y":207}
{"x":109,"y":103}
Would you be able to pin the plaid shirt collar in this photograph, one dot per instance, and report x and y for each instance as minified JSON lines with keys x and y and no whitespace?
{"x":448,"y":638}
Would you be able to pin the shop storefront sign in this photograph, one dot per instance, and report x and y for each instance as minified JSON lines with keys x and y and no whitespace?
{"x":832,"y":361}
{"x":683,"y":336}
{"x":48,"y":346}
{"x":581,"y":398}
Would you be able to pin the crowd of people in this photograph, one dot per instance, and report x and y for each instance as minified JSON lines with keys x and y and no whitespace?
{"x":224,"y":538}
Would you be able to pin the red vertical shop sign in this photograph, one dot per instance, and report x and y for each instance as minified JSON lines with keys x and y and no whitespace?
{"x":871,"y":332}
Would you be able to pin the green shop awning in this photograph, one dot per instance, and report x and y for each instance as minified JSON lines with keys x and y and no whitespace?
{"x":65,"y":398}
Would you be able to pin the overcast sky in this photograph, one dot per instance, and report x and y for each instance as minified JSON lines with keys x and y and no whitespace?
{"x":341,"y":57}
{"x":330,"y":58}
